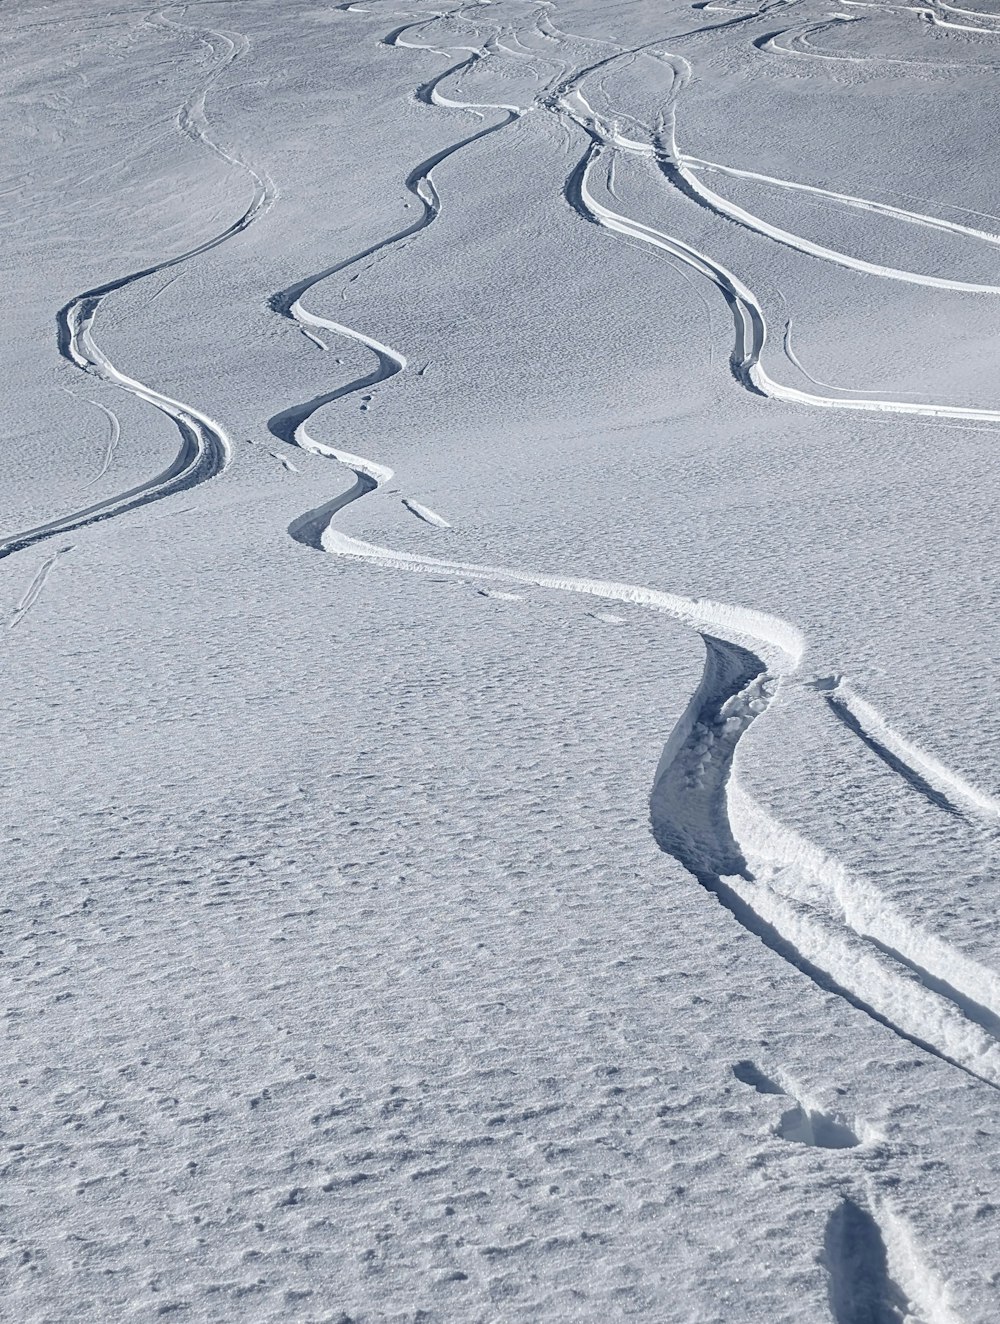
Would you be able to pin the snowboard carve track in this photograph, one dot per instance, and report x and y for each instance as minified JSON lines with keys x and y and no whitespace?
{"x":205,"y":446}
{"x":835,"y":929}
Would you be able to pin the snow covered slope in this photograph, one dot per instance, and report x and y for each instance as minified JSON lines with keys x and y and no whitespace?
{"x":498,"y":569}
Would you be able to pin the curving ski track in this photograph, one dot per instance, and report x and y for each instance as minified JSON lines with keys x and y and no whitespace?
{"x":834,"y":928}
{"x":748,"y":313}
{"x":926,"y":774}
{"x":205,"y":446}
{"x":801,"y":903}
{"x":34,"y":589}
{"x":290,"y":425}
{"x":877,"y":1273}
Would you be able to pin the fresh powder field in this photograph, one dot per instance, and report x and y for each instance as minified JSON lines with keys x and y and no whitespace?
{"x":500,"y":611}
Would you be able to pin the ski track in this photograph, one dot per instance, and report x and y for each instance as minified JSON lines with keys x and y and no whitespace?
{"x":748,"y":314}
{"x":801,"y":903}
{"x":836,"y":929}
{"x":926,"y":773}
{"x":291,"y":424}
{"x":425,"y":513}
{"x":795,"y":361}
{"x":114,"y":436}
{"x":692,"y":164}
{"x":796,"y":37}
{"x":876,"y":1273}
{"x":205,"y":446}
{"x":31,"y":594}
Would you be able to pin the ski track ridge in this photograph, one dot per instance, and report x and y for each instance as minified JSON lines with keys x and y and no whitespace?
{"x":748,"y":314}
{"x":205,"y":446}
{"x":31,"y":594}
{"x":425,"y":513}
{"x":834,"y":928}
{"x":114,"y":436}
{"x":877,"y":1274}
{"x":291,"y":424}
{"x":934,"y":780}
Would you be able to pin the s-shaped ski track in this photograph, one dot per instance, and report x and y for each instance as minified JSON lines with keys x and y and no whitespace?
{"x":205,"y":446}
{"x":836,"y":929}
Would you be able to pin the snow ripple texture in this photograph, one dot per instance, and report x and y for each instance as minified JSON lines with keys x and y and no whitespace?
{"x":846,"y":940}
{"x":834,"y":929}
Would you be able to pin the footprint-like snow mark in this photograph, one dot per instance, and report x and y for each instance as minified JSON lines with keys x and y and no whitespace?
{"x":30,"y":595}
{"x":877,"y":1275}
{"x":205,"y":446}
{"x":748,"y":1073}
{"x":810,"y":1126}
{"x":801,"y":1124}
{"x":926,"y":774}
{"x":854,"y":1254}
{"x":425,"y":513}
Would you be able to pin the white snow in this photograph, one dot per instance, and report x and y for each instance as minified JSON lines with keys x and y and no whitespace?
{"x":425,"y":513}
{"x":374,"y":951}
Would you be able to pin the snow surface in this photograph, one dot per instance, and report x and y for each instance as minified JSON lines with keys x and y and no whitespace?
{"x":581,"y":904}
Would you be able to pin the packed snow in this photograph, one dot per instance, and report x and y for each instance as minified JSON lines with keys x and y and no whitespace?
{"x":499,"y":577}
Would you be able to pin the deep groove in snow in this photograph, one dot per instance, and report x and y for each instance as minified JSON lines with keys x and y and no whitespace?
{"x":836,"y":930}
{"x":205,"y":446}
